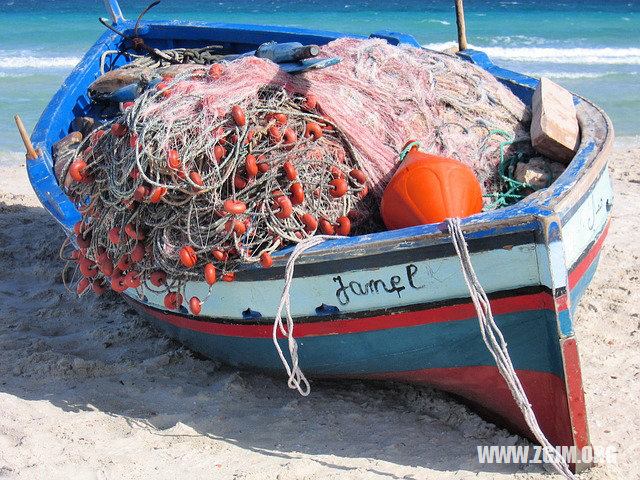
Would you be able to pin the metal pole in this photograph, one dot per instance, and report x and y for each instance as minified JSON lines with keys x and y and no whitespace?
{"x":462,"y":34}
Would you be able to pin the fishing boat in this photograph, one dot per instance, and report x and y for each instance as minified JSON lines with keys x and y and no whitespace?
{"x":394,"y":305}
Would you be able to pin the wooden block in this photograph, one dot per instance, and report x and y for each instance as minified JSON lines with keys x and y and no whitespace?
{"x":554,"y":126}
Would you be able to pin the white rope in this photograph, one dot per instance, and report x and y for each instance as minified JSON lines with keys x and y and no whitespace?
{"x":497,"y":346}
{"x":297,"y":380}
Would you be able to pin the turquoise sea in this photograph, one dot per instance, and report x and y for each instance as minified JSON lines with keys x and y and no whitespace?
{"x":591,"y":47}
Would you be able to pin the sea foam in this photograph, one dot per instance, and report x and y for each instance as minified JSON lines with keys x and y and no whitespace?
{"x":578,"y":56}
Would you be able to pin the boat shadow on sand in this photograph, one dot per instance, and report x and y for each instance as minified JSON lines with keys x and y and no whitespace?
{"x":97,"y":354}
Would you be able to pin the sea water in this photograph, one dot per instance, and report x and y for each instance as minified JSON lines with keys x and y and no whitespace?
{"x":591,"y":47}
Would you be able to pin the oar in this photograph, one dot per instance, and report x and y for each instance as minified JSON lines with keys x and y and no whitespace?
{"x":31,"y":153}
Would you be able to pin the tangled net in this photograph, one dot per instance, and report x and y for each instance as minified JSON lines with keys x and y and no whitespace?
{"x":215,"y":168}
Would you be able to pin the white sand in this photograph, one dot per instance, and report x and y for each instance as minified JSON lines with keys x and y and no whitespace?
{"x":89,"y":391}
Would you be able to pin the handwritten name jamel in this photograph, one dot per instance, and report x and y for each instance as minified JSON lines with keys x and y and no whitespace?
{"x":394,"y":284}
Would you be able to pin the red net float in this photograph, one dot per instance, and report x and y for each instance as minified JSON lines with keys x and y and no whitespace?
{"x":290,"y":138}
{"x":137,"y":254}
{"x":88,"y":268}
{"x":297,"y":194}
{"x":132,"y":279}
{"x":310,"y":223}
{"x":310,"y":102}
{"x":84,"y":240}
{"x":195,"y":305}
{"x":290,"y":171}
{"x":156,"y":194}
{"x":118,"y":283}
{"x":265,"y":260}
{"x":238,"y":116}
{"x":124,"y":263}
{"x":132,"y":232}
{"x":76,"y":170}
{"x":141,"y":193}
{"x":326,"y":227}
{"x":234,"y":207}
{"x":283,"y":206}
{"x":215,"y":71}
{"x":228,"y":277}
{"x":173,"y":300}
{"x":275,"y":134}
{"x":106,"y":266}
{"x":344,"y":226}
{"x":236,"y":225}
{"x":210,"y":274}
{"x":158,"y":278}
{"x":196,"y":178}
{"x":313,"y":130}
{"x":99,"y":287}
{"x":173,"y":159}
{"x":251,"y":165}
{"x":219,"y":152}
{"x":220,"y":255}
{"x":337,"y":187}
{"x":119,"y":130}
{"x":188,"y":256}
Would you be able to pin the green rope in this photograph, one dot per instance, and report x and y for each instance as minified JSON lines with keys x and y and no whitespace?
{"x":409,"y":146}
{"x":511,"y":190}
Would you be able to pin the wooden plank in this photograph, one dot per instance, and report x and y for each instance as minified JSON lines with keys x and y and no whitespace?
{"x":554,"y":126}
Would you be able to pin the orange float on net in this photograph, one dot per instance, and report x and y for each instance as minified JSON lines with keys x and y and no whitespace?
{"x":131,"y":232}
{"x":344,"y":226}
{"x":173,"y":159}
{"x":114,"y":235}
{"x":118,"y":283}
{"x":220,"y":255}
{"x":312,"y":129}
{"x":218,"y":152}
{"x":133,"y":140}
{"x":196,"y":178}
{"x":229,"y":277}
{"x":106,"y":266}
{"x":188,"y":256}
{"x":158,"y":278}
{"x":215,"y":71}
{"x":234,"y":207}
{"x":251,"y":165}
{"x":290,"y":171}
{"x":172,"y":300}
{"x":238,"y":116}
{"x":310,"y":223}
{"x":119,"y":130}
{"x":84,"y":240}
{"x":210,"y":274}
{"x":297,"y":194}
{"x":429,"y":189}
{"x":195,"y":305}
{"x":236,"y":225}
{"x":310,"y":102}
{"x":283,"y":204}
{"x":326,"y":227}
{"x":137,"y":254}
{"x":156,"y":194}
{"x":124,"y":263}
{"x":76,"y":170}
{"x":265,"y":260}
{"x":290,"y":137}
{"x":239,"y":182}
{"x":275,"y":134}
{"x":141,"y":193}
{"x":338,"y":187}
{"x":132,"y":279}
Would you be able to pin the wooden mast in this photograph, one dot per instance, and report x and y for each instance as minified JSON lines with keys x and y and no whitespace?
{"x":31,"y":153}
{"x":462,"y":34}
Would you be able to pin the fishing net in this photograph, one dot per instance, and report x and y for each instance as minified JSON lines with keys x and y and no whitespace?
{"x":214,"y":168}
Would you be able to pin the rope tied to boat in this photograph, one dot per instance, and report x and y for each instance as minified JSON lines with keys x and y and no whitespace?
{"x":497,"y":346}
{"x":297,"y":380}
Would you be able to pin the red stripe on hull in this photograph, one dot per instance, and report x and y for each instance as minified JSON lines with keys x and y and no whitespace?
{"x":488,"y":393}
{"x":576,"y":274}
{"x":537,"y":301}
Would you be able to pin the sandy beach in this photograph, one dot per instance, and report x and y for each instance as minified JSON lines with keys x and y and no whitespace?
{"x":88,"y":390}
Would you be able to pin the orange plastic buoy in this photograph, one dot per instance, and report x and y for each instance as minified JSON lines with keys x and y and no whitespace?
{"x":218,"y":152}
{"x":326,"y":227}
{"x":76,"y":170}
{"x":114,"y":235}
{"x":131,"y":232}
{"x":158,"y":278}
{"x":238,"y":116}
{"x":344,"y":226}
{"x":429,"y":189}
{"x":215,"y":72}
{"x":173,"y":159}
{"x":195,"y":305}
{"x":234,"y":207}
{"x":172,"y":300}
{"x":310,"y":102}
{"x":210,"y":274}
{"x":119,"y":130}
{"x":137,"y":254}
{"x":297,"y":194}
{"x":83,"y":285}
{"x":338,"y":187}
{"x":156,"y":194}
{"x":220,"y":255}
{"x":290,"y":171}
{"x":251,"y":165}
{"x":310,"y":223}
{"x":132,"y":279}
{"x":265,"y":260}
{"x":188,"y":256}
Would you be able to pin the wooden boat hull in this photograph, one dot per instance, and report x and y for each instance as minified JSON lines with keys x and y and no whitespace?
{"x":393,"y":305}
